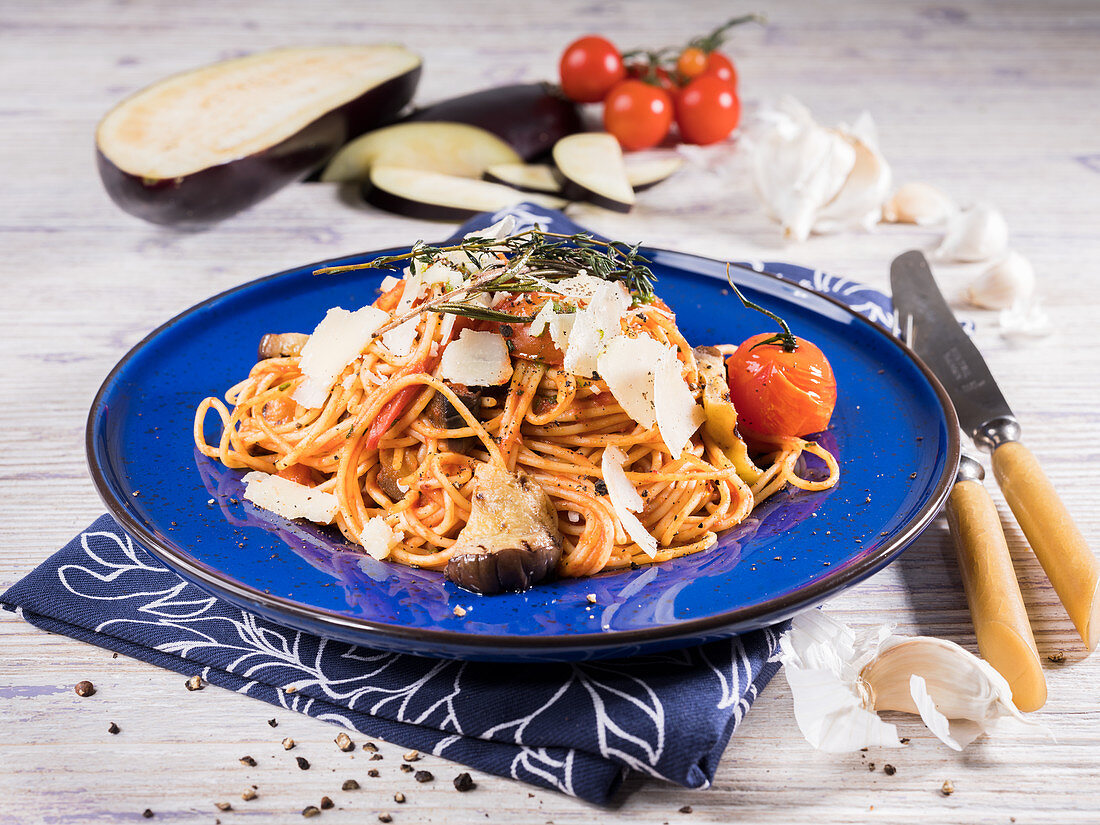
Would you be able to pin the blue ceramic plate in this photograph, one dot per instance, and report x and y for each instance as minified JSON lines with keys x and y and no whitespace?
{"x":894,"y":433}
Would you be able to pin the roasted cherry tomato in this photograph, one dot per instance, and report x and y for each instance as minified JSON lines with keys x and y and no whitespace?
{"x":720,"y":66}
{"x":521,"y":343}
{"x":707,"y":110}
{"x":692,"y":62}
{"x":589,"y":68}
{"x":781,"y":393}
{"x":638,"y":114}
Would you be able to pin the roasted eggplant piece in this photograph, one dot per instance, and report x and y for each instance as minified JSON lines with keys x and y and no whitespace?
{"x":200,"y":146}
{"x":281,"y":345}
{"x":721,"y":416}
{"x":529,"y":117}
{"x":443,"y":414}
{"x":511,"y":540}
{"x":593,"y":168}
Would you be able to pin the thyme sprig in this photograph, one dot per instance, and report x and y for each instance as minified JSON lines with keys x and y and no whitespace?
{"x":785,"y":338}
{"x":532,"y":261}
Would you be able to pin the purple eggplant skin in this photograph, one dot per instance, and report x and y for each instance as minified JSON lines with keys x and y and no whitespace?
{"x":529,"y":117}
{"x":210,"y":195}
{"x":399,"y":205}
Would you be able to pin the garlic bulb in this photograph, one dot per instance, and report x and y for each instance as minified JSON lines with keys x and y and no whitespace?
{"x":814,"y":179}
{"x":919,"y":203}
{"x":1008,"y":282}
{"x":978,"y":234}
{"x":840,"y":680}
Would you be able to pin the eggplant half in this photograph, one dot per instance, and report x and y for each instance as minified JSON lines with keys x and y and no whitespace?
{"x":592,"y":167}
{"x":435,"y":197}
{"x":529,"y":117}
{"x":203,"y":145}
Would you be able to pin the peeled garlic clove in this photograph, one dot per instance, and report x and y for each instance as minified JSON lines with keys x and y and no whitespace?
{"x":919,"y":203}
{"x":839,"y":681}
{"x":977,"y":234}
{"x":1008,"y":282}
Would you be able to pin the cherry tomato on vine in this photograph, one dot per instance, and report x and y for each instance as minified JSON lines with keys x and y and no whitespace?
{"x":638,"y":114}
{"x":720,"y":66}
{"x":707,"y":110}
{"x":781,"y":393}
{"x":692,"y":62}
{"x":657,"y":75}
{"x":589,"y":67}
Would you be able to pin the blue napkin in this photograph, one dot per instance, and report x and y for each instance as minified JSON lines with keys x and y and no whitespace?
{"x":577,"y":728}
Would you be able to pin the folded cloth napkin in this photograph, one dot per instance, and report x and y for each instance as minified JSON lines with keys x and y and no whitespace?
{"x":577,"y":727}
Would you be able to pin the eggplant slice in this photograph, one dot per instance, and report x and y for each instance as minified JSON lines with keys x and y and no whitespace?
{"x":593,"y":168}
{"x":200,"y":146}
{"x":435,"y":197}
{"x":645,"y":172}
{"x":526,"y":177}
{"x":511,"y":540}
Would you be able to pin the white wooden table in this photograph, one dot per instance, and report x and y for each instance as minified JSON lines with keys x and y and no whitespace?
{"x":994,"y":101}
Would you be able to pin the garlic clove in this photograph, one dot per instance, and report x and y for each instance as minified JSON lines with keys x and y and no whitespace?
{"x":919,"y":203}
{"x":977,"y":234}
{"x":1008,"y":282}
{"x":859,"y":201}
{"x":839,"y":681}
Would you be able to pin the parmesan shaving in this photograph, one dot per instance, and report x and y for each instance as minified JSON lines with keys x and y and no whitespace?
{"x":678,"y":416}
{"x":290,"y":499}
{"x":595,"y":326}
{"x":378,"y":538}
{"x":478,"y":359}
{"x":625,"y":499}
{"x":627,"y":367}
{"x":338,"y":340}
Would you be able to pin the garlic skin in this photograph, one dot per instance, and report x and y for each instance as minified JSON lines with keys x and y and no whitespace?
{"x":840,"y":680}
{"x":814,"y":179}
{"x":919,"y":203}
{"x":1021,"y":322}
{"x":1009,"y":282}
{"x":978,"y":234}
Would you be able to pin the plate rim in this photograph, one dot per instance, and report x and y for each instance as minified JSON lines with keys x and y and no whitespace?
{"x":784,"y":604}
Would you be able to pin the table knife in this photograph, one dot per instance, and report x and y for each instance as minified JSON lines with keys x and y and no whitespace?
{"x":1072,"y":568}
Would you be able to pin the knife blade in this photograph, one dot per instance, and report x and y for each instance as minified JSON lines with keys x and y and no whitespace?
{"x":985,"y":415}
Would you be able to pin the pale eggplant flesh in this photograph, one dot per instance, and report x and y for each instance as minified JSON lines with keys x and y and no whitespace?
{"x":201,"y":146}
{"x":526,"y":177}
{"x":529,"y":117}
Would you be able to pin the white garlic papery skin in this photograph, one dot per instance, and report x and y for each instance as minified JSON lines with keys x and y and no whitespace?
{"x":839,"y":680}
{"x":1023,"y":321}
{"x":858,"y":204}
{"x":978,"y":234}
{"x":1009,"y":282}
{"x":919,"y":203}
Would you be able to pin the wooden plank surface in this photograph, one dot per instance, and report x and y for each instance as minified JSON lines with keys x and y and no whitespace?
{"x":994,"y":101}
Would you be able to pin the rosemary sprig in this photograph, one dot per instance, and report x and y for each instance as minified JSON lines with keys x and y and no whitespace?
{"x":785,"y":338}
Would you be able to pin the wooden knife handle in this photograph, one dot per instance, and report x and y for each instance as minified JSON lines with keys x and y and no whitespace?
{"x":996,"y":606}
{"x":1070,"y":565}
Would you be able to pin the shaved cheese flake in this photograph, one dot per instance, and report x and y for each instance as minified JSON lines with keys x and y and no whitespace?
{"x":559,"y":325}
{"x":503,"y":228}
{"x":478,"y":359}
{"x":290,"y":499}
{"x":378,"y":538}
{"x":401,"y":338}
{"x":625,"y":499}
{"x":338,"y":340}
{"x":678,"y":416}
{"x":388,"y":283}
{"x":581,"y":286}
{"x":627,"y":365}
{"x":595,"y":326}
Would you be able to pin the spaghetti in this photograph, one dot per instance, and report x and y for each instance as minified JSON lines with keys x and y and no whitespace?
{"x":378,"y":444}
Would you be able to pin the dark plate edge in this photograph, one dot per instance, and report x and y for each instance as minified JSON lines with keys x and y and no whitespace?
{"x":730,"y":621}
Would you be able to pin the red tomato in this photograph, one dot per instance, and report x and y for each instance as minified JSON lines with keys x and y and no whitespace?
{"x":298,"y":473}
{"x":707,"y":110}
{"x":589,"y":68}
{"x":692,"y":62}
{"x":720,"y":66}
{"x":781,"y":393}
{"x":654,"y":75}
{"x":638,"y":114}
{"x":521,"y":343}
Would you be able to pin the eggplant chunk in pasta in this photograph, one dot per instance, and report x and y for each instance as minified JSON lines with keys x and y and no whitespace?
{"x":464,"y":421}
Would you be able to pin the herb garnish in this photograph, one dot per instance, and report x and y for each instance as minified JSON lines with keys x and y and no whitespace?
{"x":785,"y":338}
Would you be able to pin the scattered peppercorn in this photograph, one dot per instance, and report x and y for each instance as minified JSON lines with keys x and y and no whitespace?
{"x":326,"y":803}
{"x":274,"y":723}
{"x":591,"y":597}
{"x":288,"y":743}
{"x":411,"y":756}
{"x":870,"y":766}
{"x":464,"y":782}
{"x":686,"y":809}
{"x":372,"y":772}
{"x":148,"y":814}
{"x":370,"y":746}
{"x":310,"y":811}
{"x":248,"y":794}
{"x":601,"y":487}
{"x":303,"y":763}
{"x":113,"y":728}
{"x":247,"y":760}
{"x":374,"y":757}
{"x":904,"y":740}
{"x":84,"y":688}
{"x":344,"y":743}
{"x":889,"y":770}
{"x":947,"y":789}
{"x":385,"y":817}
{"x":423,"y":776}
{"x":399,"y":798}
{"x":194,"y":683}
{"x":407,"y":768}
{"x":223,"y":806}
{"x":1058,"y":657}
